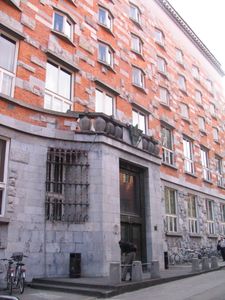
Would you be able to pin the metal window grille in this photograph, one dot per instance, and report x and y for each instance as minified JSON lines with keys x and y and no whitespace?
{"x":67,"y":185}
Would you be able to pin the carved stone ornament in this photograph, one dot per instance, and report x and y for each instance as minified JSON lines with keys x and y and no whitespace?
{"x":135,"y":134}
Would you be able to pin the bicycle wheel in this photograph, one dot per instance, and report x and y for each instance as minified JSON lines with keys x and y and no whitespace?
{"x":21,"y":284}
{"x":10,"y":284}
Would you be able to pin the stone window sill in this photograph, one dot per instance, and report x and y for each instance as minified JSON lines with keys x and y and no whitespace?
{"x":169,"y":165}
{"x":4,"y":220}
{"x":13,"y":4}
{"x":173,"y":234}
{"x":212,"y":236}
{"x":195,"y":235}
{"x":63,"y":37}
{"x":140,"y":88}
{"x":191,"y":174}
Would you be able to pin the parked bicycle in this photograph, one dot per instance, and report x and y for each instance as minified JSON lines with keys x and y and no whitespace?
{"x":16,"y":273}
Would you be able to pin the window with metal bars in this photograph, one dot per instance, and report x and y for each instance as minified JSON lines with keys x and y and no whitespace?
{"x":67,"y":185}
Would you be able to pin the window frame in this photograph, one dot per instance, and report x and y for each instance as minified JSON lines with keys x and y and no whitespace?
{"x":141,"y":77}
{"x":222,"y":219}
{"x":182,"y":83}
{"x":159,"y":37}
{"x":219,"y":171}
{"x":137,"y":16}
{"x":161,"y":65}
{"x":215,"y":132}
{"x":171,"y":217}
{"x":140,"y":44}
{"x":105,"y":93}
{"x":53,"y":94}
{"x":196,"y":73}
{"x":179,"y":56}
{"x":206,"y":172}
{"x":108,"y":15}
{"x":9,"y":73}
{"x":197,"y":98}
{"x":108,"y":53}
{"x":210,"y":215}
{"x":189,"y":166}
{"x":184,"y":111}
{"x":193,"y":224}
{"x":3,"y":183}
{"x":166,"y":98}
{"x":168,"y":153}
{"x":140,"y":112}
{"x":209,"y":85}
{"x":66,"y":19}
{"x":201,"y":124}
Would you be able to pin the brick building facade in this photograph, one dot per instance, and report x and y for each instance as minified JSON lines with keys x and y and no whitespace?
{"x":111,"y":126}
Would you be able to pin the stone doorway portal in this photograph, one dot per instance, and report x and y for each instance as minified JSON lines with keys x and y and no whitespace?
{"x":132,"y":215}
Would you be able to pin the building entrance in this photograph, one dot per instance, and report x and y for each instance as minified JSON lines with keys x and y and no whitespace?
{"x":132,"y":207}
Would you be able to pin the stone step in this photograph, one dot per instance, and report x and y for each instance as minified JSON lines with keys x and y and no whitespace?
{"x":100,"y":293}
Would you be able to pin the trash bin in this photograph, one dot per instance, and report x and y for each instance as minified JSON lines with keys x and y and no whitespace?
{"x":75,"y":265}
{"x":166,"y":260}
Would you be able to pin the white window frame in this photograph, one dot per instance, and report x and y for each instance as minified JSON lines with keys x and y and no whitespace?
{"x":107,"y":58}
{"x":66,"y":20}
{"x":136,"y":43}
{"x":161,"y":65}
{"x":209,"y":85}
{"x":135,"y":13}
{"x":179,"y":56}
{"x":188,"y":155}
{"x":107,"y":19}
{"x":215,"y":132}
{"x":222,"y":211}
{"x":164,"y":95}
{"x":3,"y":184}
{"x":210,"y":216}
{"x":219,"y":171}
{"x":7,"y":73}
{"x":206,"y":172}
{"x":101,"y":104}
{"x":64,"y":103}
{"x":195,"y":72}
{"x":201,"y":123}
{"x":184,"y":110}
{"x":168,"y":152}
{"x":182,"y":83}
{"x":139,"y":113}
{"x":198,"y":96}
{"x":138,"y":77}
{"x":171,"y":217}
{"x":212,"y":109}
{"x":159,"y":37}
{"x":192,"y":214}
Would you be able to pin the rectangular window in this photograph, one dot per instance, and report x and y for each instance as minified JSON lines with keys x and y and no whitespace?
{"x":192,"y":214}
{"x":67,"y":185}
{"x":209,"y":85}
{"x":164,"y":95}
{"x":63,"y":24}
{"x":4,"y":144}
{"x":171,"y":210}
{"x":210,"y":216}
{"x":167,"y":145}
{"x":138,"y":77}
{"x":136,"y":44}
{"x":201,"y":123}
{"x":212,"y":109}
{"x":7,"y":64}
{"x":219,"y":171}
{"x":188,"y":155}
{"x":215,"y":134}
{"x":159,"y":37}
{"x":182,"y":82}
{"x":105,"y":54}
{"x":179,"y":56}
{"x":222,"y":211}
{"x":104,"y":102}
{"x":205,"y":164}
{"x":135,"y":13}
{"x":195,"y":72}
{"x":105,"y":18}
{"x":198,"y":96}
{"x":58,"y":88}
{"x":184,"y":109}
{"x":161,"y":65}
{"x":139,"y":120}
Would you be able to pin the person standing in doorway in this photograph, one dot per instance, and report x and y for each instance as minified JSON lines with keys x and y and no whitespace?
{"x":128,"y":250}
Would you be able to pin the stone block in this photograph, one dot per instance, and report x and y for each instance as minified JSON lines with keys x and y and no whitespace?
{"x":195,"y":265}
{"x":155,"y":269}
{"x":137,"y":274}
{"x":214,"y":262}
{"x":205,"y":264}
{"x":114,"y":273}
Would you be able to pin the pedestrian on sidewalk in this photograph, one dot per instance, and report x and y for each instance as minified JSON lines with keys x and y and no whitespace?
{"x":221,"y":247}
{"x":128,"y":251}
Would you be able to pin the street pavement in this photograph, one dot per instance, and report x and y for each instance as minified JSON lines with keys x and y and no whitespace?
{"x":208,"y":286}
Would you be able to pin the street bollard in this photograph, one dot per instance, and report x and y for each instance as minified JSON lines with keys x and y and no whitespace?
{"x":114,"y":273}
{"x":137,"y":274}
{"x":155,"y":269}
{"x":205,"y":264}
{"x":214,"y":262}
{"x":195,"y":265}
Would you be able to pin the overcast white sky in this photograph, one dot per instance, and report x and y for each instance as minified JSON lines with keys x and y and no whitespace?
{"x":206,"y":18}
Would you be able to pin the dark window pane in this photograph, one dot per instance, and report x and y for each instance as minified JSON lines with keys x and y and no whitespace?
{"x":2,"y":159}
